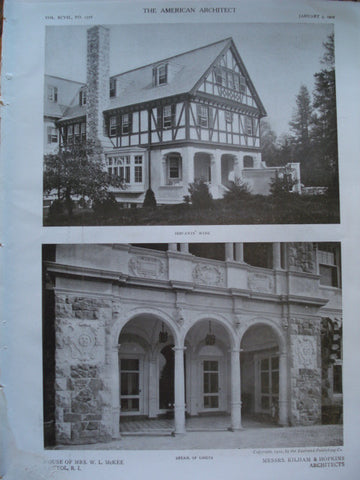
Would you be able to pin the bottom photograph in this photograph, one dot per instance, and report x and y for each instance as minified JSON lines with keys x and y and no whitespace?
{"x":192,"y":345}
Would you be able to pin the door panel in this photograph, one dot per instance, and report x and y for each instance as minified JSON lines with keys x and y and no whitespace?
{"x":130,"y":385}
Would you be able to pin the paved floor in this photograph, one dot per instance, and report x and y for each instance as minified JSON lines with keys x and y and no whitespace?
{"x":258,"y":437}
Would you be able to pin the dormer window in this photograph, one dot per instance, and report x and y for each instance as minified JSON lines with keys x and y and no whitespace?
{"x":112,"y":87}
{"x":52,"y":94}
{"x":82,"y":97}
{"x":160,"y":74}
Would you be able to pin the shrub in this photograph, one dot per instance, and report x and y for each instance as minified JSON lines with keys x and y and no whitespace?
{"x":237,"y":191}
{"x":281,"y":184}
{"x":56,"y":208}
{"x":149,"y":200}
{"x":106,"y":207}
{"x":199,"y":197}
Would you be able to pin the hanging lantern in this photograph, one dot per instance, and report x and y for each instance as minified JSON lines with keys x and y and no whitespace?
{"x":210,"y":337}
{"x":163,"y":334}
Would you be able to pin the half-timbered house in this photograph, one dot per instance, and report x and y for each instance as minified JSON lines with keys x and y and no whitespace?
{"x":162,"y":126}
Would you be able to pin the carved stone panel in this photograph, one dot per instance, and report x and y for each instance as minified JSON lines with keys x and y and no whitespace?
{"x":148,"y":267}
{"x":301,"y":257}
{"x":260,"y":282}
{"x":304,"y":348}
{"x":208,"y":275}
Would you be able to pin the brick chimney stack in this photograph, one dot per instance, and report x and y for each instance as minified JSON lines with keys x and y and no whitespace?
{"x":98,"y":74}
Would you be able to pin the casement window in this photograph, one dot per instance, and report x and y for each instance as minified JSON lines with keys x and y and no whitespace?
{"x":242,"y":84}
{"x":129,"y":168}
{"x":52,"y":94}
{"x":203,"y":115}
{"x":160,"y":75}
{"x":126,"y":126}
{"x":228,"y":117}
{"x":249,"y":126}
{"x":52,"y":135}
{"x":82,"y":96}
{"x":112,"y":87}
{"x":248,"y":161}
{"x":219,"y":76}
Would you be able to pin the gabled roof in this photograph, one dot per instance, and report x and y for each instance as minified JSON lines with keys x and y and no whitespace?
{"x":185,"y":72}
{"x":66,"y":92}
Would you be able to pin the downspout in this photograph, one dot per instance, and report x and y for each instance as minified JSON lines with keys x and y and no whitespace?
{"x":149,"y":148}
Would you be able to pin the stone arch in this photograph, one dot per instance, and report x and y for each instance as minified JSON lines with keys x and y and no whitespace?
{"x":265,"y":321}
{"x":219,"y":319}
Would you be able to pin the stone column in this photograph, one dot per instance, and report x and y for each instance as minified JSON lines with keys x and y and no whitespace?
{"x":283,"y":414}
{"x":153,"y":386}
{"x":229,"y":252}
{"x":179,"y":391}
{"x":172,"y":247}
{"x":184,"y":247}
{"x":115,"y":382}
{"x":235,"y":390}
{"x":239,"y":252}
{"x":276,"y":256}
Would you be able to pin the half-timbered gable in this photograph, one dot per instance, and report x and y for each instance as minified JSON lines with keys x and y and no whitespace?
{"x":162,"y":126}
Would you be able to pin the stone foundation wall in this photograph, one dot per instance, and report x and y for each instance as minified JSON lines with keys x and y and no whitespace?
{"x":82,"y":399}
{"x":305,"y":376}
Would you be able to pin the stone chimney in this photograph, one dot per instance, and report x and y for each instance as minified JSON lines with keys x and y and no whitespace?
{"x":98,"y":74}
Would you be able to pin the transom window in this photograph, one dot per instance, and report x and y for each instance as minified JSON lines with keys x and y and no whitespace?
{"x":52,"y":94}
{"x":160,"y":74}
{"x":129,"y":168}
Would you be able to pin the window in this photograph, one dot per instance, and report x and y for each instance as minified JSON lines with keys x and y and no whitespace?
{"x":70,"y":134}
{"x":249,"y":127}
{"x":160,"y":75}
{"x":219,"y":76}
{"x":248,"y":161}
{"x":113,"y":126}
{"x":77,"y":132}
{"x":83,"y":132}
{"x":52,"y":135}
{"x":242,"y":84}
{"x":138,"y":169}
{"x":129,"y":168}
{"x":329,"y":264}
{"x":169,"y":116}
{"x":173,"y":168}
{"x":52,"y":94}
{"x":203,"y":116}
{"x":126,"y":123}
{"x":82,"y":97}
{"x":112,"y":87}
{"x":228,"y":117}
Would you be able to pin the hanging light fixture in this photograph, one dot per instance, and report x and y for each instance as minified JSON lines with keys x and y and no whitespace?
{"x":210,"y":337}
{"x":163,"y":334}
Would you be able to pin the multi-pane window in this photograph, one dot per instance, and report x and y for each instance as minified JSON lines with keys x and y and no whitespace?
{"x":228,"y":78}
{"x":173,"y":168}
{"x":113,"y":126}
{"x":228,"y":116}
{"x":125,"y":123}
{"x":160,"y":74}
{"x":128,"y":168}
{"x":70,"y":134}
{"x":83,"y":132}
{"x":52,"y":94}
{"x":138,"y":172}
{"x":168,"y":116}
{"x":329,"y":264}
{"x":77,"y":132}
{"x":203,"y":116}
{"x":249,"y":126}
{"x":52,"y":135}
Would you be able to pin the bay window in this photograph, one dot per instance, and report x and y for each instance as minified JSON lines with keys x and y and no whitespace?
{"x":128,"y":167}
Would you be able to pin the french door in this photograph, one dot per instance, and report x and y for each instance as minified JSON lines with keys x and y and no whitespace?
{"x":269,"y":384}
{"x":211,"y":385}
{"x":130,"y":382}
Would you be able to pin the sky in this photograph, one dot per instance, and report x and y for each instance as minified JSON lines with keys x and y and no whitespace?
{"x":279,"y":57}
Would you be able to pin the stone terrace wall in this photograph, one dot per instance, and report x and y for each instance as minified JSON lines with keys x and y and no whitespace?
{"x":83,"y":406}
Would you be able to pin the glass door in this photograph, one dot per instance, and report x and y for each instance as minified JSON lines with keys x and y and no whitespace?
{"x":130,"y":385}
{"x":269,"y":384}
{"x":211,"y":388}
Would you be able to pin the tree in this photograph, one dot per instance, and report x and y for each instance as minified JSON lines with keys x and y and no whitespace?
{"x":199,"y":197}
{"x":324,"y":120}
{"x":78,"y":170}
{"x":269,"y":147}
{"x":300,"y":127}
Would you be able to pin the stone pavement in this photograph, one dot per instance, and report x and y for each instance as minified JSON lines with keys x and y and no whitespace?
{"x":260,"y":437}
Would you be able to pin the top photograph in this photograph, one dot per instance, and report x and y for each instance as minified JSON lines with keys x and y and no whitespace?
{"x":190,"y":124}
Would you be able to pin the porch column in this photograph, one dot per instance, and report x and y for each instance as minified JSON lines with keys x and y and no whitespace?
{"x":276,"y":256}
{"x":153,"y":387}
{"x":115,"y":400}
{"x":179,"y":391}
{"x":215,"y":166}
{"x":239,"y":252}
{"x":172,"y":247}
{"x":283,"y":414}
{"x":235,"y":390}
{"x":229,"y":252}
{"x":184,"y":247}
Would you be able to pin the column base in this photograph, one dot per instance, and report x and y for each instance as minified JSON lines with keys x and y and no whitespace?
{"x":178,"y":434}
{"x":235,"y":429}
